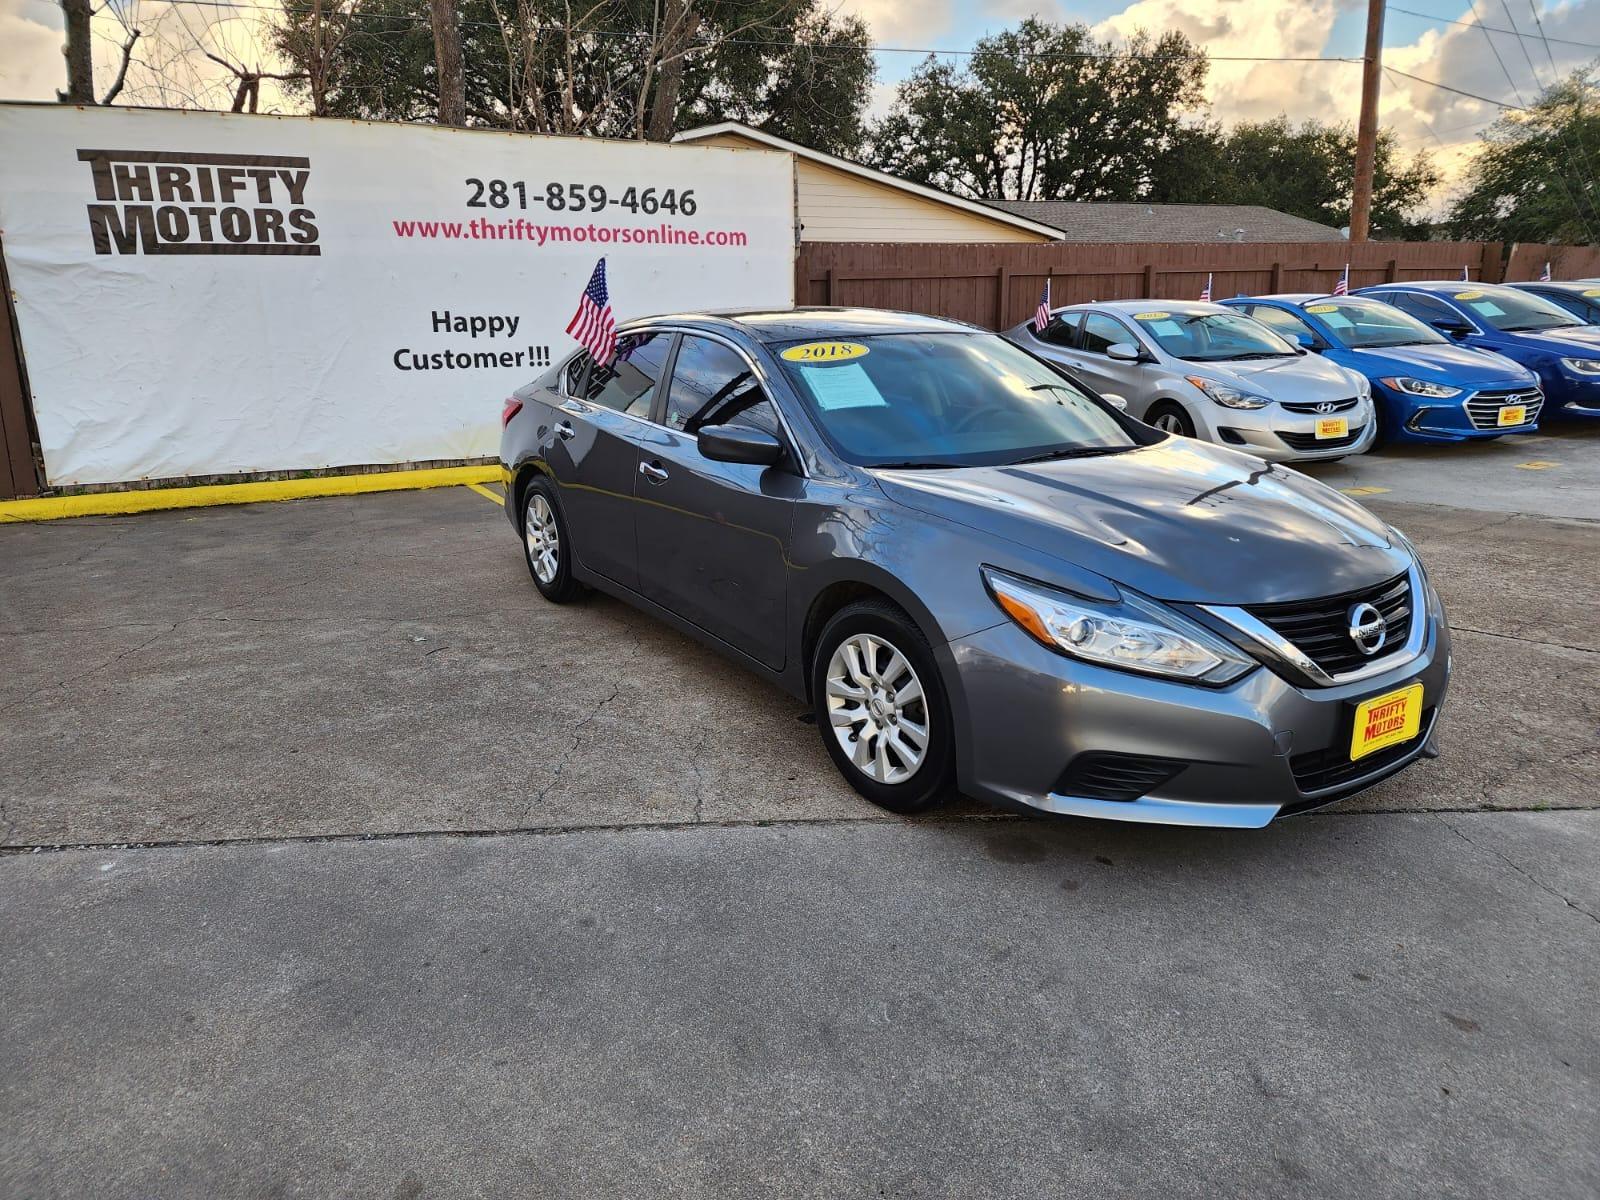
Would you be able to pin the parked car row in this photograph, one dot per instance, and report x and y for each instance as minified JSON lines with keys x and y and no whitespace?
{"x":1305,"y":377}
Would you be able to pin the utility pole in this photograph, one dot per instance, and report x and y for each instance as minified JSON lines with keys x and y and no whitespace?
{"x":1367,"y":128}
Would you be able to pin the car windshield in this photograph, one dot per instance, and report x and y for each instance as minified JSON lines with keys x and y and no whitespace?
{"x":945,"y":400}
{"x":1511,"y":311}
{"x":1366,"y":324}
{"x":1211,"y":336}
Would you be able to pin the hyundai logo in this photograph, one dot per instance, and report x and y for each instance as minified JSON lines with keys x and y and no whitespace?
{"x":1327,"y":406}
{"x":1367,"y":629}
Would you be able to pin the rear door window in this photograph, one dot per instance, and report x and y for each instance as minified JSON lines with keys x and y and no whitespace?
{"x":627,"y":384}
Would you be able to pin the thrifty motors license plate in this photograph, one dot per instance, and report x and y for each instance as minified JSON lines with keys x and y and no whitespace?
{"x":1332,"y":427}
{"x":1515,"y":414}
{"x":1386,"y":720}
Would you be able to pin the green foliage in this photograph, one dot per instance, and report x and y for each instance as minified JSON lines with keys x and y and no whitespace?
{"x":1043,"y":112}
{"x":1306,"y":169}
{"x":1536,"y":178}
{"x":786,"y":65}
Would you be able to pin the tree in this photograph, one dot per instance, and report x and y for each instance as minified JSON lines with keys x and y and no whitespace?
{"x":78,"y":50}
{"x":617,"y":68}
{"x":1306,"y":169}
{"x":445,"y":22}
{"x":1536,"y":178}
{"x":1043,"y":112}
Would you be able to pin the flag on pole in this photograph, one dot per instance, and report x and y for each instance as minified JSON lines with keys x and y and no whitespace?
{"x":1342,"y":288}
{"x":1465,"y":278}
{"x":1041,"y":316}
{"x":1205,"y":295}
{"x":1544,"y":276}
{"x":593,"y":324}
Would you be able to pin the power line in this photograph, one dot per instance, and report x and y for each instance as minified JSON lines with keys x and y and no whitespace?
{"x":1491,"y":28}
{"x":240,"y":5}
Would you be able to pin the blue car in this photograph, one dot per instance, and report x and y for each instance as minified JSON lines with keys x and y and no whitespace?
{"x":1580,"y":297}
{"x":1562,"y":350}
{"x":1425,"y":388}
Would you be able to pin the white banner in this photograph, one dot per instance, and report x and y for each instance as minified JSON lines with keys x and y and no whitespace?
{"x":201,"y":293}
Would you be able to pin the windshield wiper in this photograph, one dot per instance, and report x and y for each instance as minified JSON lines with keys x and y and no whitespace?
{"x":919,"y":465}
{"x":1075,"y":452}
{"x":1538,"y":328}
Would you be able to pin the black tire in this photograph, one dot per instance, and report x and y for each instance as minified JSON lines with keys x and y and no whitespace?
{"x":1171,"y":408}
{"x":542,"y":506}
{"x":934,"y":775}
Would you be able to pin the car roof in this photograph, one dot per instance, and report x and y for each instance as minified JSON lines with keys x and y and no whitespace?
{"x":1138,"y":306}
{"x":791,"y":324}
{"x":1432,"y":285}
{"x":1557,"y":285}
{"x":1288,"y":297}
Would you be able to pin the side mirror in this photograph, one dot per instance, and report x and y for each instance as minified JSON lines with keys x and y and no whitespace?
{"x":1305,"y":341}
{"x":1451,"y":326}
{"x":1120,"y":403}
{"x":733,"y":444}
{"x":1124,"y":352}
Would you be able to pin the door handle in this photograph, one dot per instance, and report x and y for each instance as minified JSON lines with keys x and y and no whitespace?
{"x":654,"y":472}
{"x":565,"y":429}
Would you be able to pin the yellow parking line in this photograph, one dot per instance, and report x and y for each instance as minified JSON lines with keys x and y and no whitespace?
{"x":1537,"y":464}
{"x":483,"y":491}
{"x":1364,"y":491}
{"x":102,"y":504}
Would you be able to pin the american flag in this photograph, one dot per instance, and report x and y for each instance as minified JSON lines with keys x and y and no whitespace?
{"x":1041,"y":315}
{"x":593,"y":325}
{"x":1205,"y":294}
{"x":1544,"y":276}
{"x":1342,"y":288}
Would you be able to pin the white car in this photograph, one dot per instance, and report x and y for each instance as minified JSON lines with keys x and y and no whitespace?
{"x":1210,"y":372}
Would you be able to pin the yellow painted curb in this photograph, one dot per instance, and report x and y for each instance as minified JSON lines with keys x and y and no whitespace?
{"x":105,"y":504}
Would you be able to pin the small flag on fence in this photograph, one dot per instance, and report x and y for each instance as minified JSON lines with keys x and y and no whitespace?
{"x":1342,"y":288}
{"x":1205,"y":294}
{"x":1041,"y":316}
{"x":593,"y":324}
{"x":1545,"y":276}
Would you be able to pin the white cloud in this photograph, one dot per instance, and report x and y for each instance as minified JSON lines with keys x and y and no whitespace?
{"x":31,"y":66}
{"x":902,"y":22}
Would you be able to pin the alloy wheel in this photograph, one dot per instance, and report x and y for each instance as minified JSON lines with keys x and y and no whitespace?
{"x":877,"y":708}
{"x":1169,"y":422}
{"x":544,"y":541}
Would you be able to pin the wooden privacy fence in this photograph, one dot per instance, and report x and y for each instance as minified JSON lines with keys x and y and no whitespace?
{"x":1566,"y":262}
{"x":998,"y":284}
{"x":17,"y":474}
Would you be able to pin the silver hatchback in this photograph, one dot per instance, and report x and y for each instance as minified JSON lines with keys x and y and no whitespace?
{"x":1209,"y":372}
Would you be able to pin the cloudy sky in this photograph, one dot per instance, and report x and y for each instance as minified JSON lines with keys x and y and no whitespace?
{"x":1448,"y":44}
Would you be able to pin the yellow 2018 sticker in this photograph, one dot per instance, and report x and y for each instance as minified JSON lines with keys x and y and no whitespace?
{"x":1469,"y":295}
{"x":1322,"y":308}
{"x":1151,"y":316}
{"x":1591,"y":291}
{"x":824,"y":352}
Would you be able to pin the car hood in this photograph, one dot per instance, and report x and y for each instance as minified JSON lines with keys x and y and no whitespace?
{"x":1559,"y":341}
{"x":1440,"y":363}
{"x":1299,"y":378}
{"x":1180,"y":520}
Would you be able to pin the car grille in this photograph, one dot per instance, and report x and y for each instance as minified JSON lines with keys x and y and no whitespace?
{"x":1484,"y":408}
{"x":1316,"y":410}
{"x":1319,"y":629}
{"x":1106,"y":775}
{"x":1310,"y":441}
{"x":1319,"y":770}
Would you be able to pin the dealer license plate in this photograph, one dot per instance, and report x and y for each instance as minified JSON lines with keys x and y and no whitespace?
{"x":1332,"y":427}
{"x":1386,"y":720}
{"x":1516,"y":414}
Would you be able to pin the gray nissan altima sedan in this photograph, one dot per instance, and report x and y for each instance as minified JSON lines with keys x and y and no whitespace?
{"x":978,"y":574}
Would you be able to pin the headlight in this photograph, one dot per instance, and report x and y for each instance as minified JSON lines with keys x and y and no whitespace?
{"x":1582,"y":366}
{"x":1421,"y":387}
{"x":1135,"y":635}
{"x":1228,"y":397}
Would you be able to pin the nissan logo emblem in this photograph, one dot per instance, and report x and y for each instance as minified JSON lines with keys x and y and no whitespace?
{"x":1367,"y":628}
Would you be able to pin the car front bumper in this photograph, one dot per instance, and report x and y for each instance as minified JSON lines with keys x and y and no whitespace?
{"x":1243,"y":755}
{"x":1421,"y":419}
{"x":1278,"y":436}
